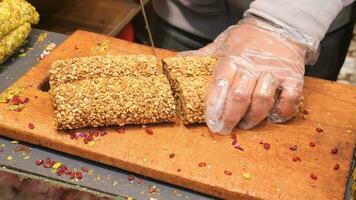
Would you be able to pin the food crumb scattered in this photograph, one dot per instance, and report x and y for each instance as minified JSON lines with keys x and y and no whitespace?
{"x":334,"y":150}
{"x":246,"y":175}
{"x":313,"y":176}
{"x":337,"y":166}
{"x":228,"y":173}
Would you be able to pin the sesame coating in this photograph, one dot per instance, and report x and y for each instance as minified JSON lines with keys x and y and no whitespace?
{"x":189,"y":78}
{"x":190,"y":66}
{"x":191,"y":92}
{"x":113,"y":101}
{"x":75,"y":69}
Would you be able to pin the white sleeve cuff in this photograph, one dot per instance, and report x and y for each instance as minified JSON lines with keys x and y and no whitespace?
{"x":312,"y":18}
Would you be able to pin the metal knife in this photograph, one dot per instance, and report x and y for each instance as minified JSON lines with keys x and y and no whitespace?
{"x":148,"y":27}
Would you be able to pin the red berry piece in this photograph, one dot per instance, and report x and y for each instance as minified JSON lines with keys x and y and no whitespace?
{"x":336,"y":167}
{"x":319,"y":130}
{"x":202,"y":164}
{"x":312,"y":144}
{"x":334,"y":150}
{"x":67,"y":172}
{"x":47,"y":165}
{"x":78,"y":175}
{"x":130,"y":178}
{"x":31,"y":126}
{"x":149,"y":131}
{"x":85,"y":169}
{"x":120,"y":130}
{"x":266,"y":146}
{"x":26,"y":100}
{"x":313,"y":176}
{"x":172,"y":155}
{"x":294,"y":148}
{"x":39,"y":162}
{"x":227,"y":172}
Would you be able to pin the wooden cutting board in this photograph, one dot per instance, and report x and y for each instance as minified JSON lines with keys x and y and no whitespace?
{"x":274,"y":175}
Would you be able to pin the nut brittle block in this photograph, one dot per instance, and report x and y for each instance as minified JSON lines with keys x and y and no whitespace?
{"x":113,"y":101}
{"x":189,"y":77}
{"x":76,"y":69}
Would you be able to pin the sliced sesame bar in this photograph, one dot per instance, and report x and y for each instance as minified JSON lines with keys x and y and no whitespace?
{"x":71,"y":70}
{"x":190,"y":66}
{"x":189,"y":77}
{"x":113,"y":101}
{"x":190,"y":98}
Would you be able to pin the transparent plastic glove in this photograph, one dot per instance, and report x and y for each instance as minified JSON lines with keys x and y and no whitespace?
{"x":256,"y":60}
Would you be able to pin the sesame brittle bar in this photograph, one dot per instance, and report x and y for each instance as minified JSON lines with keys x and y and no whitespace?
{"x":189,"y":77}
{"x":113,"y":101}
{"x":76,"y":69}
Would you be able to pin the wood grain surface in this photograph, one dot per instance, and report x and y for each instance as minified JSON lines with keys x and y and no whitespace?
{"x":274,"y":175}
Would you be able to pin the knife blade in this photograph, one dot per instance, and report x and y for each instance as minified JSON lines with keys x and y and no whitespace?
{"x":147,"y":27}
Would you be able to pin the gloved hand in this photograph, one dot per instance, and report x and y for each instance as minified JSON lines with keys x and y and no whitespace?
{"x":256,"y":59}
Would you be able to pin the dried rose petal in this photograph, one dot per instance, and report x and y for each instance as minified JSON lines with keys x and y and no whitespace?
{"x":140,"y":181}
{"x":233,"y":136}
{"x":31,"y":126}
{"x":312,"y":144}
{"x":60,"y":172}
{"x":266,"y":146}
{"x":85,"y":169}
{"x":227,"y":172}
{"x":67,"y":172}
{"x":102,"y":133}
{"x":202,"y":164}
{"x":72,"y":136}
{"x":72,"y":175}
{"x":15,"y":100}
{"x":296,"y":158}
{"x":78,"y":175}
{"x":120,"y":130}
{"x":47,"y":165}
{"x":39,"y":162}
{"x":319,"y":130}
{"x":26,"y":100}
{"x":130,"y":178}
{"x":294,"y":148}
{"x":234,"y":142}
{"x":239,"y":147}
{"x":337,"y":166}
{"x":149,"y":131}
{"x":334,"y":150}
{"x":313,"y":176}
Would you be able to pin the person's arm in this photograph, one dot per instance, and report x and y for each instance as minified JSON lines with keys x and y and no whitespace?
{"x":312,"y":18}
{"x":264,"y":53}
